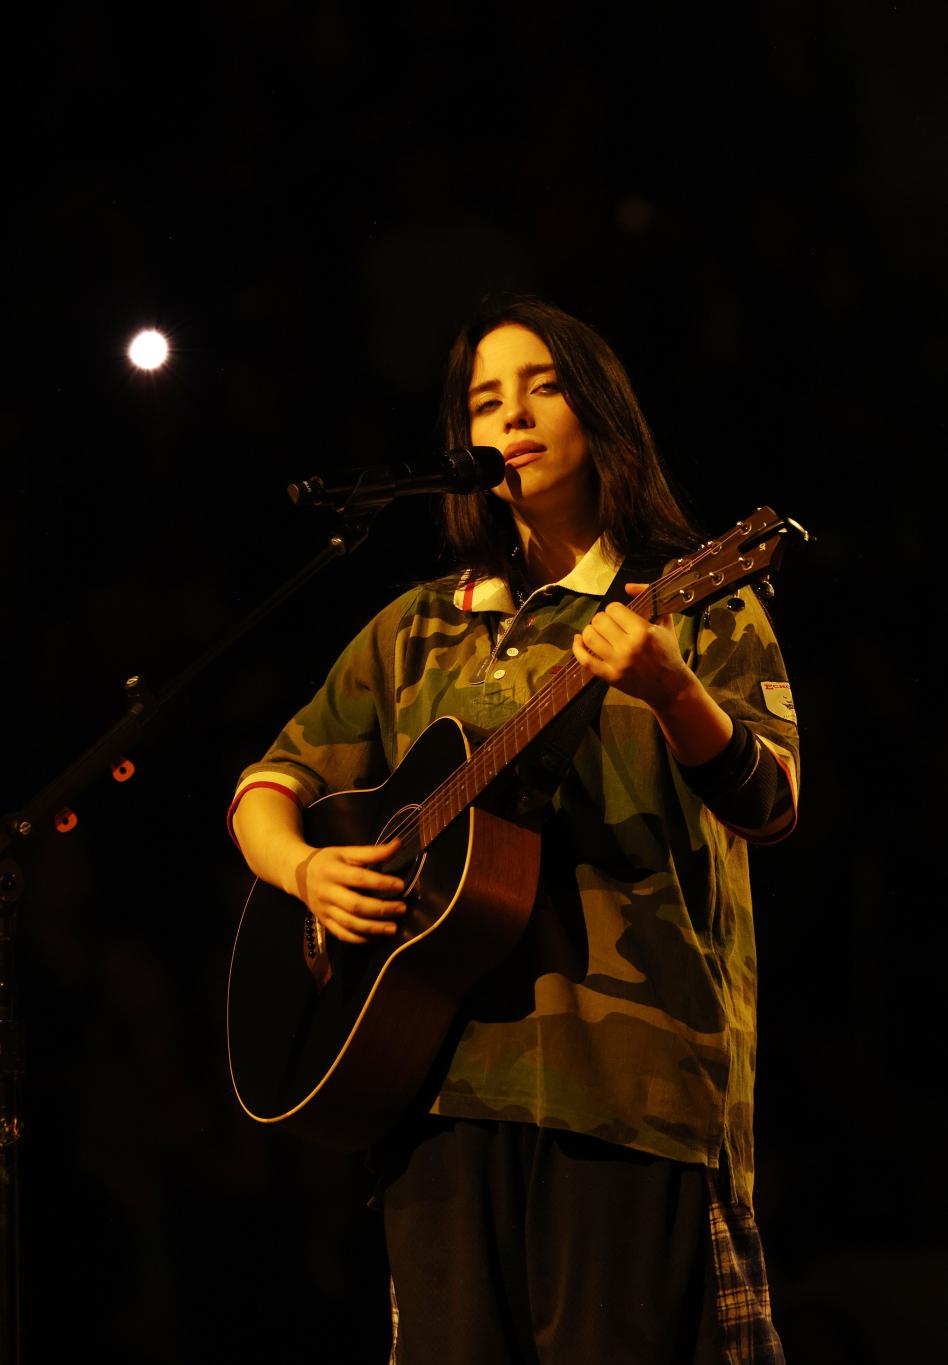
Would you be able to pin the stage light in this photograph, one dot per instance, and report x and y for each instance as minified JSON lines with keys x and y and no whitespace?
{"x":148,"y":350}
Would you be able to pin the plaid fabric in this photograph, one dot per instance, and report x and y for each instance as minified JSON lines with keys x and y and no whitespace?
{"x":393,"y":1356}
{"x":748,"y":1334}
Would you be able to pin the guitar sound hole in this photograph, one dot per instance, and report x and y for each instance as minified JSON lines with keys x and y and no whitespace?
{"x":408,"y":861}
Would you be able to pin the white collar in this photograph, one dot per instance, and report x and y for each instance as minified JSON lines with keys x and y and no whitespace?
{"x":592,"y":575}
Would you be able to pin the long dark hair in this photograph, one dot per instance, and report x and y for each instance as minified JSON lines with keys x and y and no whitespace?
{"x":639,"y":513}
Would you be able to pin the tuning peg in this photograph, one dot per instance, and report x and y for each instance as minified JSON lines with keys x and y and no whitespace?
{"x":801,"y":531}
{"x":764,"y":588}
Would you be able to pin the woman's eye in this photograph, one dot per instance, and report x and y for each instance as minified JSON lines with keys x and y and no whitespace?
{"x":484,"y":406}
{"x":548,"y":386}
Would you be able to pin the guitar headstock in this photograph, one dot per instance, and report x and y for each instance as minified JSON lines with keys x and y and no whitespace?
{"x":747,"y":553}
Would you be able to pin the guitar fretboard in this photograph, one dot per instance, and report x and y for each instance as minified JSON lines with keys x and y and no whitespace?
{"x":499,"y":750}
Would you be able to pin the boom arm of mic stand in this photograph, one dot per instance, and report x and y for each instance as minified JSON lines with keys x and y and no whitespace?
{"x":346,"y":536}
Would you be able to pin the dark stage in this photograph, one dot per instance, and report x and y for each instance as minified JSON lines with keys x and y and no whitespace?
{"x":750,"y":202}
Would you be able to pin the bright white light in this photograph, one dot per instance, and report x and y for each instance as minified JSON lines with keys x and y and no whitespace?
{"x":148,"y":350}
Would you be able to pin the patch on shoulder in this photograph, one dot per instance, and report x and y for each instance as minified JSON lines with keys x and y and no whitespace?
{"x":778,"y":700}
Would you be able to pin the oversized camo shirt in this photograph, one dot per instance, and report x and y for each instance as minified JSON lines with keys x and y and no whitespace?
{"x":628,"y":1010}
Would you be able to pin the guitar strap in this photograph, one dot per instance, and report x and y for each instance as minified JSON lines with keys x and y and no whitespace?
{"x":545,"y":762}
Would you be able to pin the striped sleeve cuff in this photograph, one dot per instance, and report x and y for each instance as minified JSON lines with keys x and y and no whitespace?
{"x":283,"y":784}
{"x":750,"y":787}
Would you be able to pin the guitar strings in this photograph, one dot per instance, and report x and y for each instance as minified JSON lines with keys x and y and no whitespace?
{"x":460,"y":787}
{"x":456,"y":791}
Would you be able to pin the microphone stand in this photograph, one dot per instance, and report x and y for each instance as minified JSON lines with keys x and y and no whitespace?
{"x":51,"y":807}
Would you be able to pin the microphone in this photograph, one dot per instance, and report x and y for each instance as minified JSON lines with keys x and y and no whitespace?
{"x":472,"y":469}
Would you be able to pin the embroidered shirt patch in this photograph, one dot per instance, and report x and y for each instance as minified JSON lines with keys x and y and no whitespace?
{"x":778,"y":700}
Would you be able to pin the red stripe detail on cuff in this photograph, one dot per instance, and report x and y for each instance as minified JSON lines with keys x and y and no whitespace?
{"x":274,"y":786}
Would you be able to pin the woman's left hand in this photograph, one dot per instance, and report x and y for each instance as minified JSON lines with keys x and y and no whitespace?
{"x":639,"y":657}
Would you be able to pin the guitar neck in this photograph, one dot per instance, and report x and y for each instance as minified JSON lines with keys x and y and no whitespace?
{"x":745,"y":553}
{"x":500,"y":750}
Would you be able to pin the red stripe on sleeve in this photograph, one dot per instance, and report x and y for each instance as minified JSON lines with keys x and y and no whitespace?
{"x":274,"y":786}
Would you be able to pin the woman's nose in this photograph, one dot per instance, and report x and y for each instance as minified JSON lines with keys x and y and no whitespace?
{"x":517,"y":415}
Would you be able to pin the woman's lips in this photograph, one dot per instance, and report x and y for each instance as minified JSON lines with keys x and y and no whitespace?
{"x":521,"y":453}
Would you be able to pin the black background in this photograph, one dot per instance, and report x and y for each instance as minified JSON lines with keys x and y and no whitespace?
{"x":750,"y":202}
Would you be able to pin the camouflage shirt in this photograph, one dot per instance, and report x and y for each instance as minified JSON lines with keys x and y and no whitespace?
{"x":628,"y":1009}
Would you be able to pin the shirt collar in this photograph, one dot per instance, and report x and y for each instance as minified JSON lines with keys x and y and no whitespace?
{"x":592,"y":575}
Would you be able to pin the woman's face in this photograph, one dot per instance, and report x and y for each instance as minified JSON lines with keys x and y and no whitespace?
{"x":517,"y":405}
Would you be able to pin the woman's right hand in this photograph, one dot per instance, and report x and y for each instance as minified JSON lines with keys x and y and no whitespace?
{"x":341,"y":886}
{"x":343,"y":889}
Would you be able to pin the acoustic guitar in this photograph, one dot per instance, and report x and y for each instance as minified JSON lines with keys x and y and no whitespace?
{"x":336,"y":1039}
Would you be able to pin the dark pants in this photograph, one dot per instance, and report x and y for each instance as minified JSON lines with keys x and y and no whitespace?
{"x":513,"y":1245}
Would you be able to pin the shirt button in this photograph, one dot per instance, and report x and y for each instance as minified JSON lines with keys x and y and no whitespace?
{"x":499,"y":672}
{"x":512,"y":652}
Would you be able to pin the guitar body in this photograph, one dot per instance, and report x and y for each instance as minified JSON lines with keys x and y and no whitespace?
{"x":338,"y":1042}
